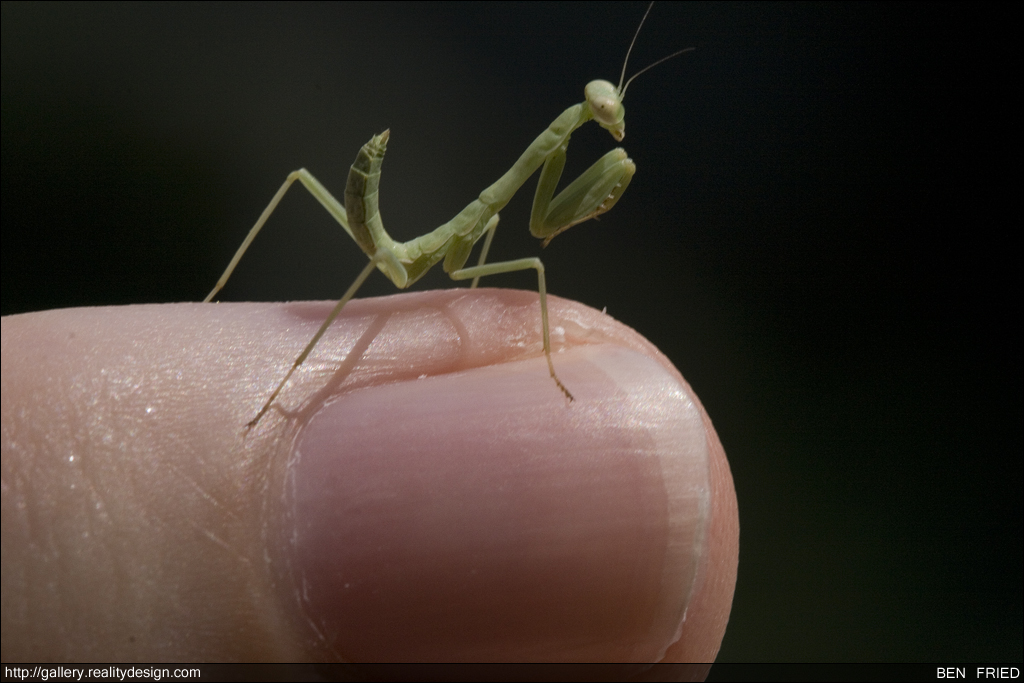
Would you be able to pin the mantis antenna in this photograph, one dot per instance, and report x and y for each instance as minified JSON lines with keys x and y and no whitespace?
{"x":622,"y":88}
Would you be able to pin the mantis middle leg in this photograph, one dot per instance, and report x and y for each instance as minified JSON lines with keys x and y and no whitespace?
{"x":591,"y":194}
{"x":476,"y":272}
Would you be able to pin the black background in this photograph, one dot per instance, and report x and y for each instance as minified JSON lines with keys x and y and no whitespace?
{"x":820,"y":235}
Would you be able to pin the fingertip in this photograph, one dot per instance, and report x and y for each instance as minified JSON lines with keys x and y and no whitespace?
{"x":490,"y":517}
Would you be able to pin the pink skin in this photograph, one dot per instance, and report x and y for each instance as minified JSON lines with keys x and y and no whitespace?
{"x":421,"y":489}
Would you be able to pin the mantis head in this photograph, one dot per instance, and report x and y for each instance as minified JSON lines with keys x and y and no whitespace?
{"x":605,"y":101}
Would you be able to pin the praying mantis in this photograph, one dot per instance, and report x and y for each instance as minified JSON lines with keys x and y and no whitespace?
{"x":593,"y":193}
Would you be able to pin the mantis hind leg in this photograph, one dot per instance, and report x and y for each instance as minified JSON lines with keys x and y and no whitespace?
{"x":477,"y":272}
{"x":315,"y":188}
{"x":316,"y":337}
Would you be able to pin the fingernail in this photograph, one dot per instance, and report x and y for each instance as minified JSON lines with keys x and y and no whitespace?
{"x":479,"y":516}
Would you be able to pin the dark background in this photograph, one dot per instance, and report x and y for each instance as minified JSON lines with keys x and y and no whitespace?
{"x":820,"y":235}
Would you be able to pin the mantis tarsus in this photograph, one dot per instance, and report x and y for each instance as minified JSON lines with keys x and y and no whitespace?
{"x":591,"y":194}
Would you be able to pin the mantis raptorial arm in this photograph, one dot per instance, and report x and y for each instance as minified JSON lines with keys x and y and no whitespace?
{"x":591,"y":194}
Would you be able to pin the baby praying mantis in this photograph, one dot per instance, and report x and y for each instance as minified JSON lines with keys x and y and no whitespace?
{"x":590,"y":195}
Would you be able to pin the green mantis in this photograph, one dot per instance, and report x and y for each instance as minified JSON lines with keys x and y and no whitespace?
{"x":591,"y":194}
